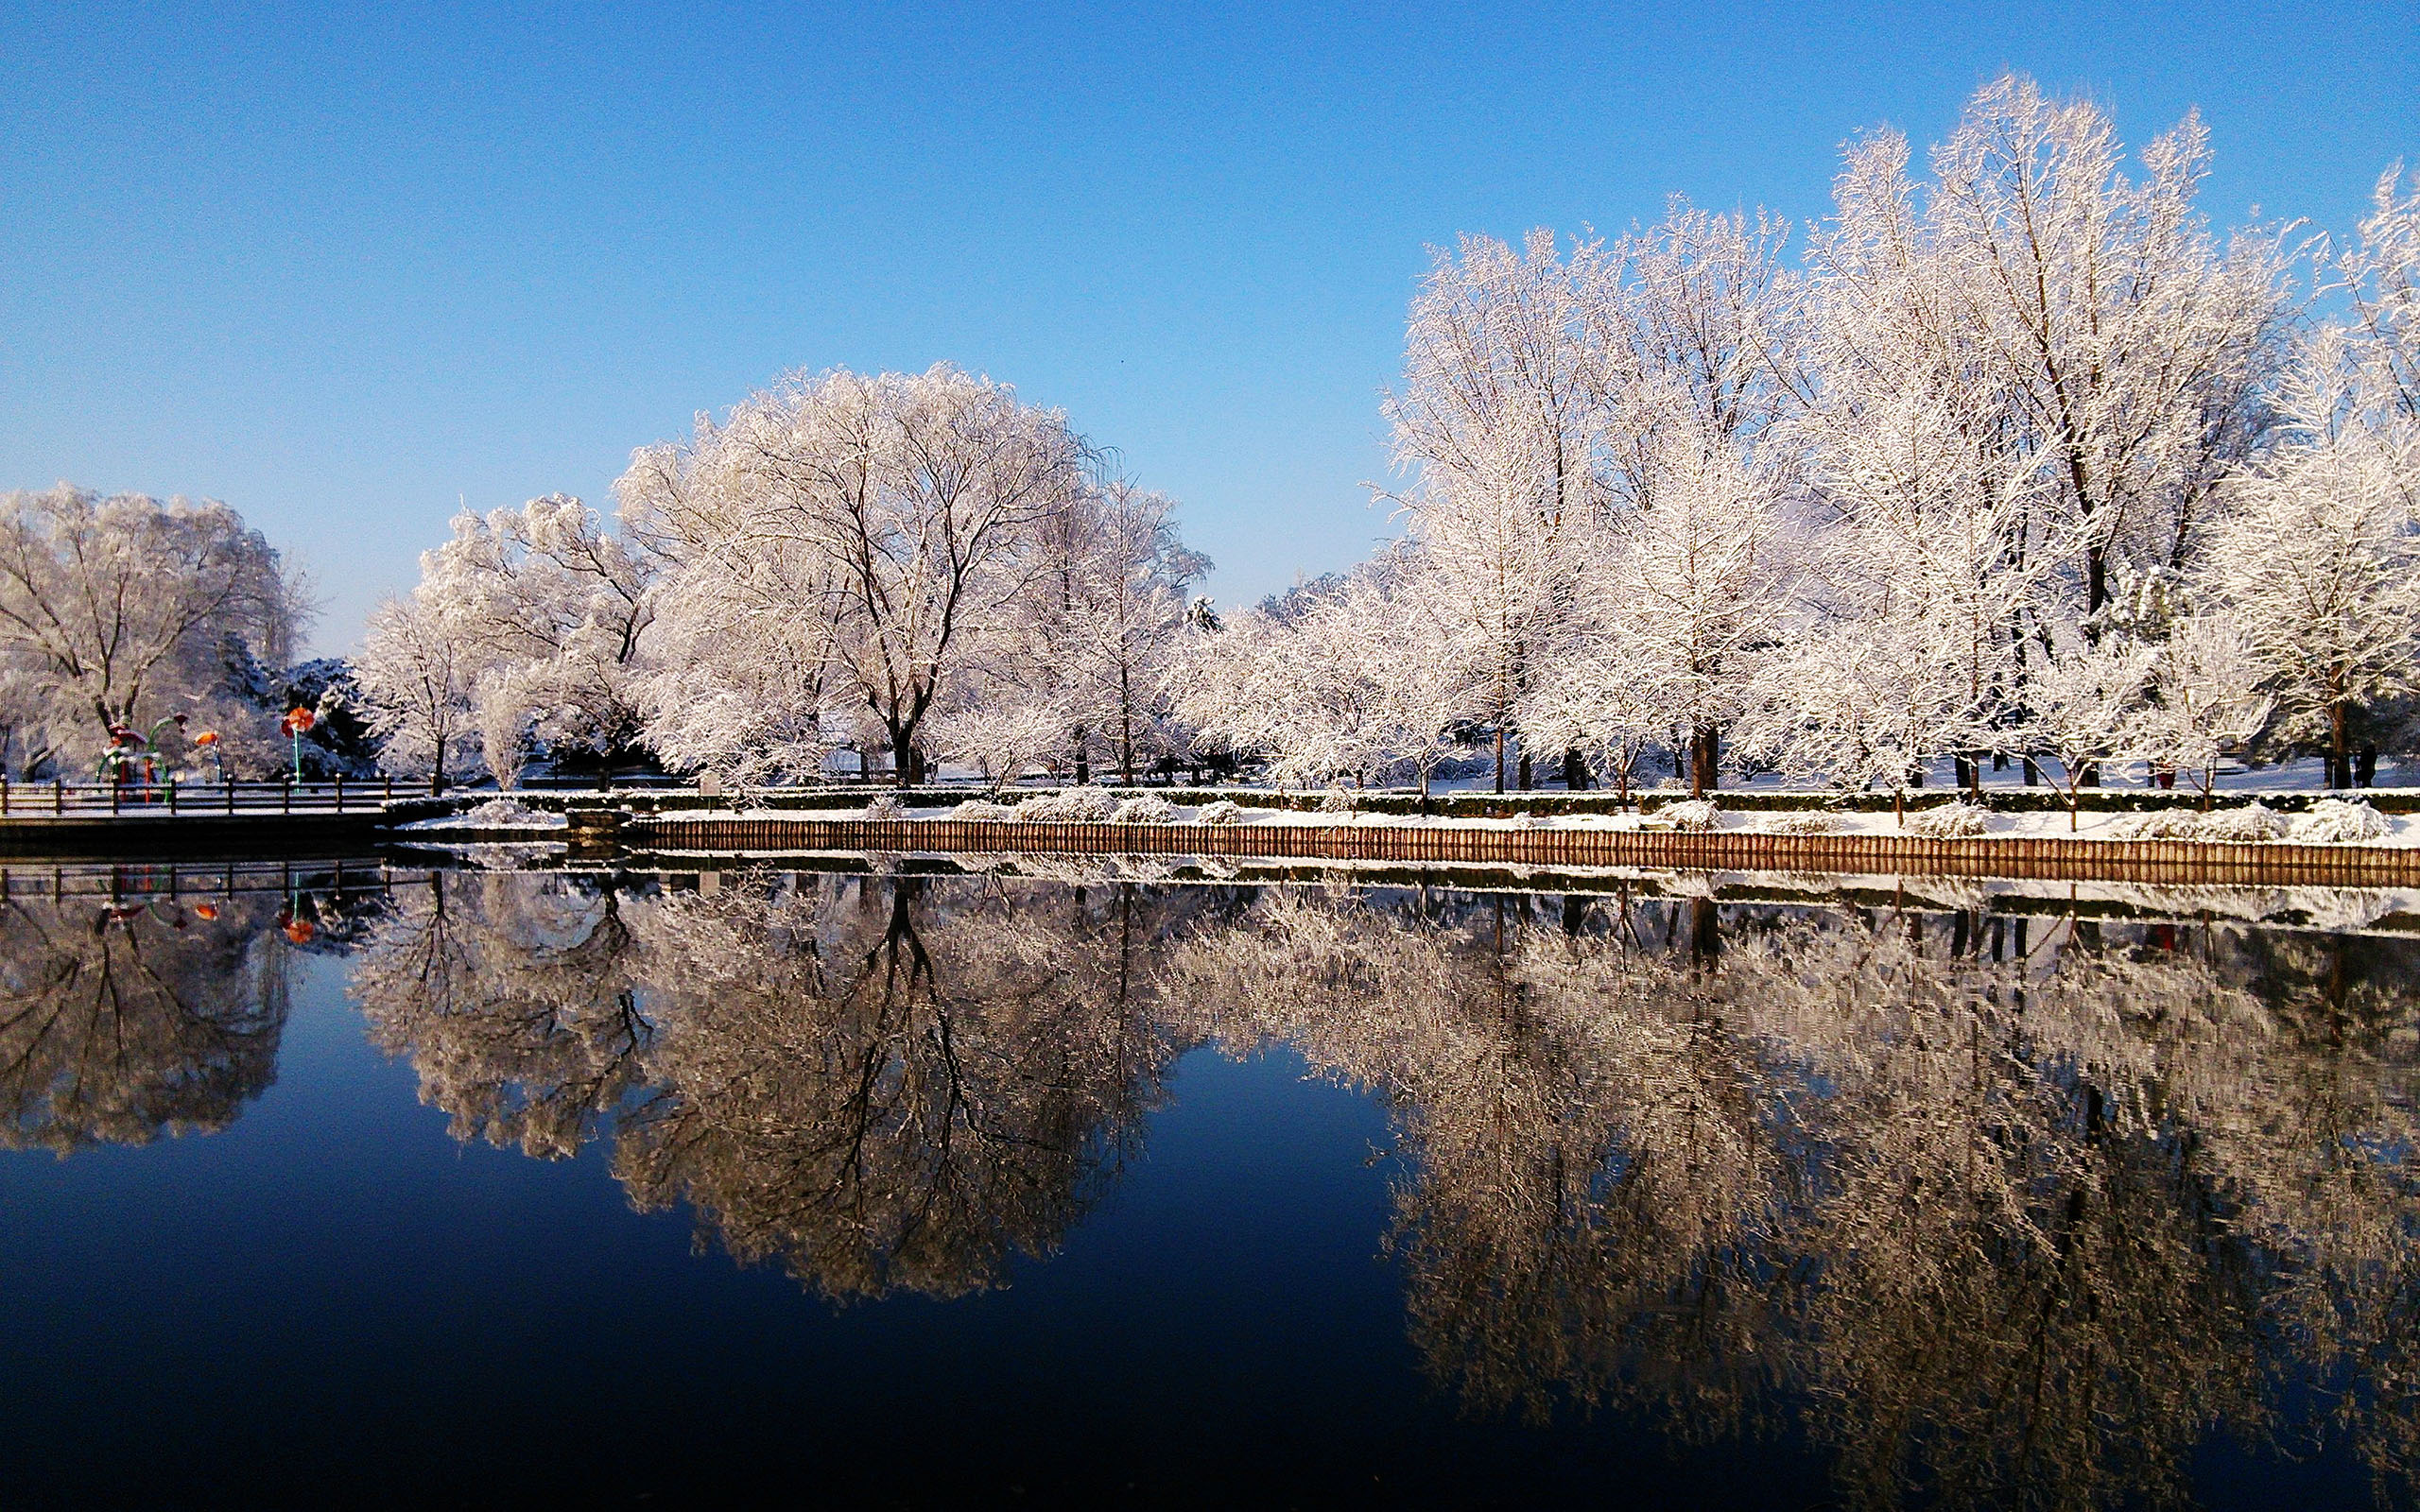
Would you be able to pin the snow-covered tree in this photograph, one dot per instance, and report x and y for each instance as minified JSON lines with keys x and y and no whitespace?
{"x":2319,"y":563}
{"x":2206,"y":678}
{"x":1918,"y":584}
{"x":2090,"y":323}
{"x":739,"y":673}
{"x":905,"y":510}
{"x":2379,"y":275}
{"x":1498,"y":419}
{"x":2087,"y":709}
{"x":1090,"y":639}
{"x":1694,"y":324}
{"x":415,"y":679}
{"x":1358,"y":677}
{"x":547,"y":608}
{"x":123,"y":610}
{"x":1701,"y":580}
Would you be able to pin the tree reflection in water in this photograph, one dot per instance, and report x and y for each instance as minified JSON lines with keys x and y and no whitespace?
{"x":2000,"y":1208}
{"x":123,"y":1019}
{"x":2004,"y":1215}
{"x":882,"y":1085}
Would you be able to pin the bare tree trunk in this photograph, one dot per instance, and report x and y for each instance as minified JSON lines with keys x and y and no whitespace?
{"x":1499,"y":756}
{"x":1705,"y":753}
{"x":1125,"y":726}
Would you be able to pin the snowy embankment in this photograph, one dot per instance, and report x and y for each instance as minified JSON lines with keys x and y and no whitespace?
{"x":496,"y":814}
{"x":2330,"y":821}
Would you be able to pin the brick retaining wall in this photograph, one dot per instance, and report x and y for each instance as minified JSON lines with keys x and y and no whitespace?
{"x":2056,"y":858}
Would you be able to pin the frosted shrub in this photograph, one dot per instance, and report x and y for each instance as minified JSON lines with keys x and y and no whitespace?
{"x":2334,"y":821}
{"x":982,"y":811}
{"x":1950,"y":821}
{"x":1149,"y":808}
{"x":1336,"y":800}
{"x":1694,"y":815}
{"x":1225,"y":811}
{"x":2158,"y":824}
{"x":1803,"y":822}
{"x":496,"y":814}
{"x":2253,"y":821}
{"x":885,"y":806}
{"x":508,"y":813}
{"x":1073,"y":805}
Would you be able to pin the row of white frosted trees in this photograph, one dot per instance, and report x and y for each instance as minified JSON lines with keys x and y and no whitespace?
{"x":2018,"y":460}
{"x":916,"y":564}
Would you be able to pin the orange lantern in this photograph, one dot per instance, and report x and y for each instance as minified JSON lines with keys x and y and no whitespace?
{"x":296,"y":720}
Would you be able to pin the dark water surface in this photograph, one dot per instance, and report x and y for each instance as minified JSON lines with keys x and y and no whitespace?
{"x":498,"y":1188}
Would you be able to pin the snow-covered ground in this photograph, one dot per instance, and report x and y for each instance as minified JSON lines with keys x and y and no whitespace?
{"x":2401,"y":829}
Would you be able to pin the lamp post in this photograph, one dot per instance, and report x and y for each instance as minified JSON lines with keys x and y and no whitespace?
{"x":296,"y":720}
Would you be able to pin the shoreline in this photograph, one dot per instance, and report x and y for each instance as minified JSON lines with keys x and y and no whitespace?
{"x":2024,"y":857}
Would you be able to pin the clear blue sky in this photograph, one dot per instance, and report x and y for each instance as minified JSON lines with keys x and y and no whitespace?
{"x":340,"y":271}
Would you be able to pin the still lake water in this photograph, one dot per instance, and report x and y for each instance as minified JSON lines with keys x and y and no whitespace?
{"x":829,"y":1188}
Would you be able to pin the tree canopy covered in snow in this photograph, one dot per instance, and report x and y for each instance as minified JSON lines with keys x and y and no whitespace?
{"x":2012,"y":455}
{"x":126,"y":612}
{"x":2020,"y":458}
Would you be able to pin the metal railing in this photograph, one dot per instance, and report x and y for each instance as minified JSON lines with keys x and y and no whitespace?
{"x":61,"y":799}
{"x":121,"y":881}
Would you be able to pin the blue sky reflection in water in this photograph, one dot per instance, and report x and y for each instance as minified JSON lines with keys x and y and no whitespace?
{"x":1160,"y":1193}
